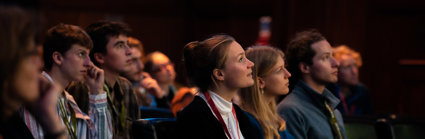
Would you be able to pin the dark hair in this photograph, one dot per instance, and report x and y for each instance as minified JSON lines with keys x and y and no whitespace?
{"x":18,"y":36}
{"x":60,"y":38}
{"x":101,"y":31}
{"x":299,"y":50}
{"x":201,"y":58}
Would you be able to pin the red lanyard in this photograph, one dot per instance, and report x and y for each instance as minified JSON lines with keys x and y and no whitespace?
{"x":344,"y":104}
{"x":218,"y":115}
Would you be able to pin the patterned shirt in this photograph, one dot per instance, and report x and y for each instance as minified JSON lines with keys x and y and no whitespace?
{"x":97,"y":124}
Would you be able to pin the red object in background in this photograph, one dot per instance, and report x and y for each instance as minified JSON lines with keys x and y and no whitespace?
{"x":265,"y":31}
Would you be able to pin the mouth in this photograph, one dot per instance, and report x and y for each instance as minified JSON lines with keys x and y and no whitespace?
{"x":128,"y":61}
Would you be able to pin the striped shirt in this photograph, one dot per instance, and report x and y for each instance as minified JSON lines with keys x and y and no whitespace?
{"x":96,"y":125}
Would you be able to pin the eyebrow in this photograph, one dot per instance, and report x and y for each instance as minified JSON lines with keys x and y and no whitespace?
{"x":118,"y":42}
{"x":240,"y":54}
{"x":329,"y":53}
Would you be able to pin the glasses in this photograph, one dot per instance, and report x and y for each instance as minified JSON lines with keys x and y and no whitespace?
{"x":160,"y":67}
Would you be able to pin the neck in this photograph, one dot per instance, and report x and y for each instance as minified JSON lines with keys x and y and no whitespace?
{"x":59,"y":77}
{"x":225,"y":93}
{"x":318,"y":87}
{"x":268,"y":98}
{"x":111,"y":77}
{"x":344,"y":89}
{"x":165,"y":87}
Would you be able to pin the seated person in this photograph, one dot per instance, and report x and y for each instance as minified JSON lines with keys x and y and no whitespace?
{"x":355,"y":97}
{"x":162,"y":70}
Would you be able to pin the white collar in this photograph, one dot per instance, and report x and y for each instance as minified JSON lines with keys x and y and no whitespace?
{"x":45,"y":74}
{"x":222,"y":104}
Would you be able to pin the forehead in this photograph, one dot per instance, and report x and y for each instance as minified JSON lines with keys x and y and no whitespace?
{"x":235,"y":49}
{"x":136,"y":52}
{"x":321,"y":47}
{"x":120,"y":37}
{"x":160,"y":58}
{"x":347,"y":59}
{"x":78,"y":47}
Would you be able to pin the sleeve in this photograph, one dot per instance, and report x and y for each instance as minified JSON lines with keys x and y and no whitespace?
{"x":100,"y":116}
{"x":294,"y":122}
{"x":79,"y":91}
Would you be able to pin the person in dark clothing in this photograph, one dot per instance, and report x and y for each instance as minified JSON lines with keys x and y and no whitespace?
{"x":219,"y":67}
{"x":355,"y":97}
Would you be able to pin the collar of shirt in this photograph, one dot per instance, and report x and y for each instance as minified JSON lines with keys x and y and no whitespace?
{"x":326,"y":95}
{"x":45,"y":74}
{"x":223,"y":106}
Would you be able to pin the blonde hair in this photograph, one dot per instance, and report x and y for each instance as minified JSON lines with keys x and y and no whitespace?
{"x":342,"y":50}
{"x":252,"y":99}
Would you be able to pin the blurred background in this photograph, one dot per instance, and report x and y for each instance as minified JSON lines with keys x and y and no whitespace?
{"x":389,"y":34}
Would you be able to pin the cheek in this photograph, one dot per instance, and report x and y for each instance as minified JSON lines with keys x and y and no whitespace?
{"x":26,"y":83}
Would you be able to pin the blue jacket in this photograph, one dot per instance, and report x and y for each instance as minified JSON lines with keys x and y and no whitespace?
{"x":283,"y":134}
{"x":306,"y":115}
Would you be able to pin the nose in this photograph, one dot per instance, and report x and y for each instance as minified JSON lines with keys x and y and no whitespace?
{"x":334,"y":62}
{"x":87,"y":61}
{"x":140,"y":65}
{"x":127,"y":50}
{"x":250,"y":64}
{"x":355,"y":69}
{"x":287,"y":73}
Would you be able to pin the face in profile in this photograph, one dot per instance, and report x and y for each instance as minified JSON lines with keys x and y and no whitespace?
{"x":118,"y":54}
{"x":324,"y":68}
{"x":276,"y":82}
{"x":162,"y":69}
{"x":237,"y":69}
{"x":76,"y":62}
{"x":136,"y":70}
{"x":26,"y":79}
{"x":348,"y":71}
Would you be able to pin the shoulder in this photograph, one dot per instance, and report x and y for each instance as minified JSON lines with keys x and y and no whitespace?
{"x":197,"y":105}
{"x":124,"y":82}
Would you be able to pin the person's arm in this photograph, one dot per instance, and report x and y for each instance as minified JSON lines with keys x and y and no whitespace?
{"x":100,"y":115}
{"x":98,"y":107}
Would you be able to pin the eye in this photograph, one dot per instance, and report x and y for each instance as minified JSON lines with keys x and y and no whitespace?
{"x":82,"y":54}
{"x":242,"y":59}
{"x":121,"y":45}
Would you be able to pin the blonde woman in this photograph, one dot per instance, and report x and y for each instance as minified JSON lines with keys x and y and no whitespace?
{"x":270,"y":81}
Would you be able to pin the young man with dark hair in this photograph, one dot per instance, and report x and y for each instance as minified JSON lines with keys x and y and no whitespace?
{"x":309,"y":110}
{"x":112,"y":53}
{"x":66,"y":57}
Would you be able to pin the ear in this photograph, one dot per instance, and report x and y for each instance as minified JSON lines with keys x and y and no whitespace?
{"x":100,"y":58}
{"x":218,"y":74}
{"x":304,"y":68}
{"x":57,"y":58}
{"x":261,"y":83}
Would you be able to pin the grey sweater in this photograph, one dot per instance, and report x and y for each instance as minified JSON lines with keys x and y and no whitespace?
{"x":305,"y":113}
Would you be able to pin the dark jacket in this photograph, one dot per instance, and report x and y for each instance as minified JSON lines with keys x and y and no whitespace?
{"x":14,"y":128}
{"x":196,"y":121}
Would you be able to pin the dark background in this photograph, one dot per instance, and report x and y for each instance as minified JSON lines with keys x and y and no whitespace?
{"x":390,"y":34}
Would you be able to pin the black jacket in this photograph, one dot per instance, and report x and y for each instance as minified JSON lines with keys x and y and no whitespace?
{"x":197,"y":121}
